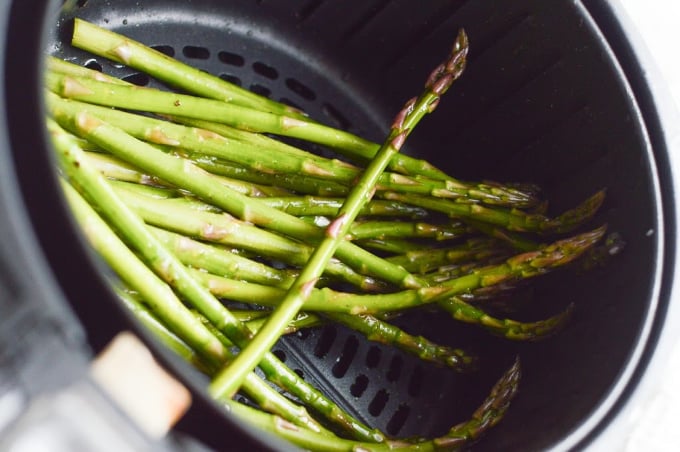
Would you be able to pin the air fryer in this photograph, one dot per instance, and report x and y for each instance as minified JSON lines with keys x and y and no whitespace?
{"x":552,"y":95}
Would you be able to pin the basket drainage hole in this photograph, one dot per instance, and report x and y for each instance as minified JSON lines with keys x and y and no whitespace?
{"x":232,"y":59}
{"x":349,"y":351}
{"x":167,"y":50}
{"x":300,"y":89}
{"x":415,"y":384}
{"x":231,"y":79}
{"x":398,"y":420}
{"x":328,"y":335}
{"x":334,"y":114}
{"x":265,"y":70}
{"x":195,"y":52}
{"x":359,"y":386}
{"x":138,"y":79}
{"x":373,"y":357}
{"x":394,"y":370}
{"x":261,"y":90}
{"x":280,"y":354}
{"x":378,"y":403}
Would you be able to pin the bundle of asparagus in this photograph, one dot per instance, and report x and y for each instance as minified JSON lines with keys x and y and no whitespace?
{"x":200,"y":213}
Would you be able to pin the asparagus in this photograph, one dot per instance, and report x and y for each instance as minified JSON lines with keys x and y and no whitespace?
{"x":174,"y":273}
{"x":263,"y":159}
{"x":126,"y":51}
{"x":510,"y":329}
{"x":185,"y":175}
{"x":378,"y":330}
{"x":391,"y":246}
{"x":257,"y":390}
{"x":298,"y":183}
{"x":174,"y":215}
{"x":222,"y":262}
{"x":362,"y":230}
{"x":313,"y":205}
{"x":487,"y":415}
{"x":172,"y":311}
{"x":114,"y":168}
{"x":511,"y":219}
{"x":429,"y":259}
{"x":228,"y":381}
{"x":516,"y":268}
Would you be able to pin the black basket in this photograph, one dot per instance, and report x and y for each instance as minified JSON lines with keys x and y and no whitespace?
{"x":547,"y":98}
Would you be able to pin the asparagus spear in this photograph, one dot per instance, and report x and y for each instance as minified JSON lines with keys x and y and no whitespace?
{"x":254,"y":387}
{"x":429,"y":259}
{"x":511,"y":219}
{"x":263,"y":159}
{"x":228,"y":381}
{"x":401,"y":229}
{"x":378,"y":330}
{"x":114,"y":168}
{"x":174,"y":215}
{"x":186,"y":175}
{"x":174,"y":273}
{"x":126,"y":51}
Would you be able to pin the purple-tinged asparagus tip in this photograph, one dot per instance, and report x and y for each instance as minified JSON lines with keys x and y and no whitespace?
{"x":432,"y":106}
{"x":461,"y":44}
{"x":398,"y":123}
{"x":434,"y":75}
{"x":398,"y":141}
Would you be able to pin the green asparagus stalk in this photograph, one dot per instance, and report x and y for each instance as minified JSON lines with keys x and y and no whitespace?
{"x":511,"y":219}
{"x":186,"y":175}
{"x":229,"y":380}
{"x":366,"y":229}
{"x":174,"y":215}
{"x":123,"y":50}
{"x":314,"y":205}
{"x":263,"y":159}
{"x":390,"y":246}
{"x":298,"y":183}
{"x":136,"y":274}
{"x":516,"y":268}
{"x":174,"y":273}
{"x":257,"y":390}
{"x":97,"y":40}
{"x":429,"y":259}
{"x":507,"y":328}
{"x":487,"y":415}
{"x":60,"y":66}
{"x":160,"y":331}
{"x":378,"y":330}
{"x":114,"y":168}
{"x":220,"y":261}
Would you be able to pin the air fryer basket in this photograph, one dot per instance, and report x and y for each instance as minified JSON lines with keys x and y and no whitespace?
{"x":544,"y":100}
